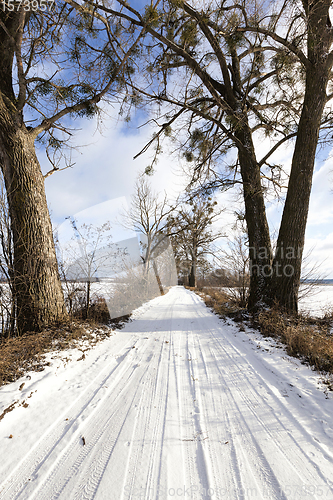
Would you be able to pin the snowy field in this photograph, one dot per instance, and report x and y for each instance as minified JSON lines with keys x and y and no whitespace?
{"x":178,"y":404}
{"x":317,"y":301}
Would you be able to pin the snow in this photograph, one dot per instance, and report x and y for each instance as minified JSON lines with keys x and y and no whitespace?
{"x":318,"y":301}
{"x":177,"y":404}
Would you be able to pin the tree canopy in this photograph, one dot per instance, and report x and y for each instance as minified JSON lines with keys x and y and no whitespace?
{"x":230,"y":74}
{"x":222,"y":79}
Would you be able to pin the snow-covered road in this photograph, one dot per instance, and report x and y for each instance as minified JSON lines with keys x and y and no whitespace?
{"x":178,"y":404}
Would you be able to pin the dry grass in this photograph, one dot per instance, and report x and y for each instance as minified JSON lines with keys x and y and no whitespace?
{"x":305,"y":338}
{"x":98,"y":311}
{"x":222,"y":303}
{"x":21,"y":354}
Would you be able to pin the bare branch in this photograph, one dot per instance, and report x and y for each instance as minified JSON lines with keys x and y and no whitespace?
{"x":295,"y":50}
{"x":275,"y":147}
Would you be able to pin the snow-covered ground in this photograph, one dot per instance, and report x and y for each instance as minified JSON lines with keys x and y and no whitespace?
{"x":178,"y":404}
{"x":317,"y":300}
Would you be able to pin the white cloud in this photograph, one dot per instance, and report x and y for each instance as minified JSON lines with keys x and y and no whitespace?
{"x":105,"y":170}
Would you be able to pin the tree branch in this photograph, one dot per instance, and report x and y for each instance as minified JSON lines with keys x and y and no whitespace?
{"x":275,"y":147}
{"x":299,"y":53}
{"x":20,"y":72}
{"x":216,"y":48}
{"x":48,"y":122}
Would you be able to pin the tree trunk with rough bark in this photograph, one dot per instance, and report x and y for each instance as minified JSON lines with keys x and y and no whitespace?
{"x":288,"y":257}
{"x":37,"y":287}
{"x":260,"y":252}
{"x":192,"y":280}
{"x":285,"y":281}
{"x":158,"y":279}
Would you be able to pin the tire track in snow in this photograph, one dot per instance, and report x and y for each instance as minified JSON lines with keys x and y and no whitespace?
{"x":196,"y":476}
{"x":93,"y":466}
{"x":91,"y":463}
{"x":283,"y":438}
{"x":155,"y":479}
{"x":80,"y":477}
{"x":233,"y":476}
{"x":62,"y":429}
{"x":71,"y":446}
{"x":185,"y":410}
{"x":252,"y":470}
{"x":144,"y":459}
{"x":281,"y":441}
{"x":218,"y":436}
{"x":172,"y":434}
{"x":85,"y":476}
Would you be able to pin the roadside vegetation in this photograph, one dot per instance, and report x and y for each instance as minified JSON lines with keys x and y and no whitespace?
{"x":21,"y":354}
{"x":309,"y":339}
{"x":245,"y":71}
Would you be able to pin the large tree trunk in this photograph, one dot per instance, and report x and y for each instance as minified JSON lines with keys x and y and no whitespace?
{"x":287,"y":262}
{"x":192,"y":279}
{"x":260,"y":252}
{"x":37,"y":287}
{"x":288,"y":257}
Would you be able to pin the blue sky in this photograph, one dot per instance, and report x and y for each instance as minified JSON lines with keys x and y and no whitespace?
{"x":105,"y":170}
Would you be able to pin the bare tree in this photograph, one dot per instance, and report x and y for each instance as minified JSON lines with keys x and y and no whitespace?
{"x":89,"y":256}
{"x":192,"y":234}
{"x":232,"y":267}
{"x":148,"y":216}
